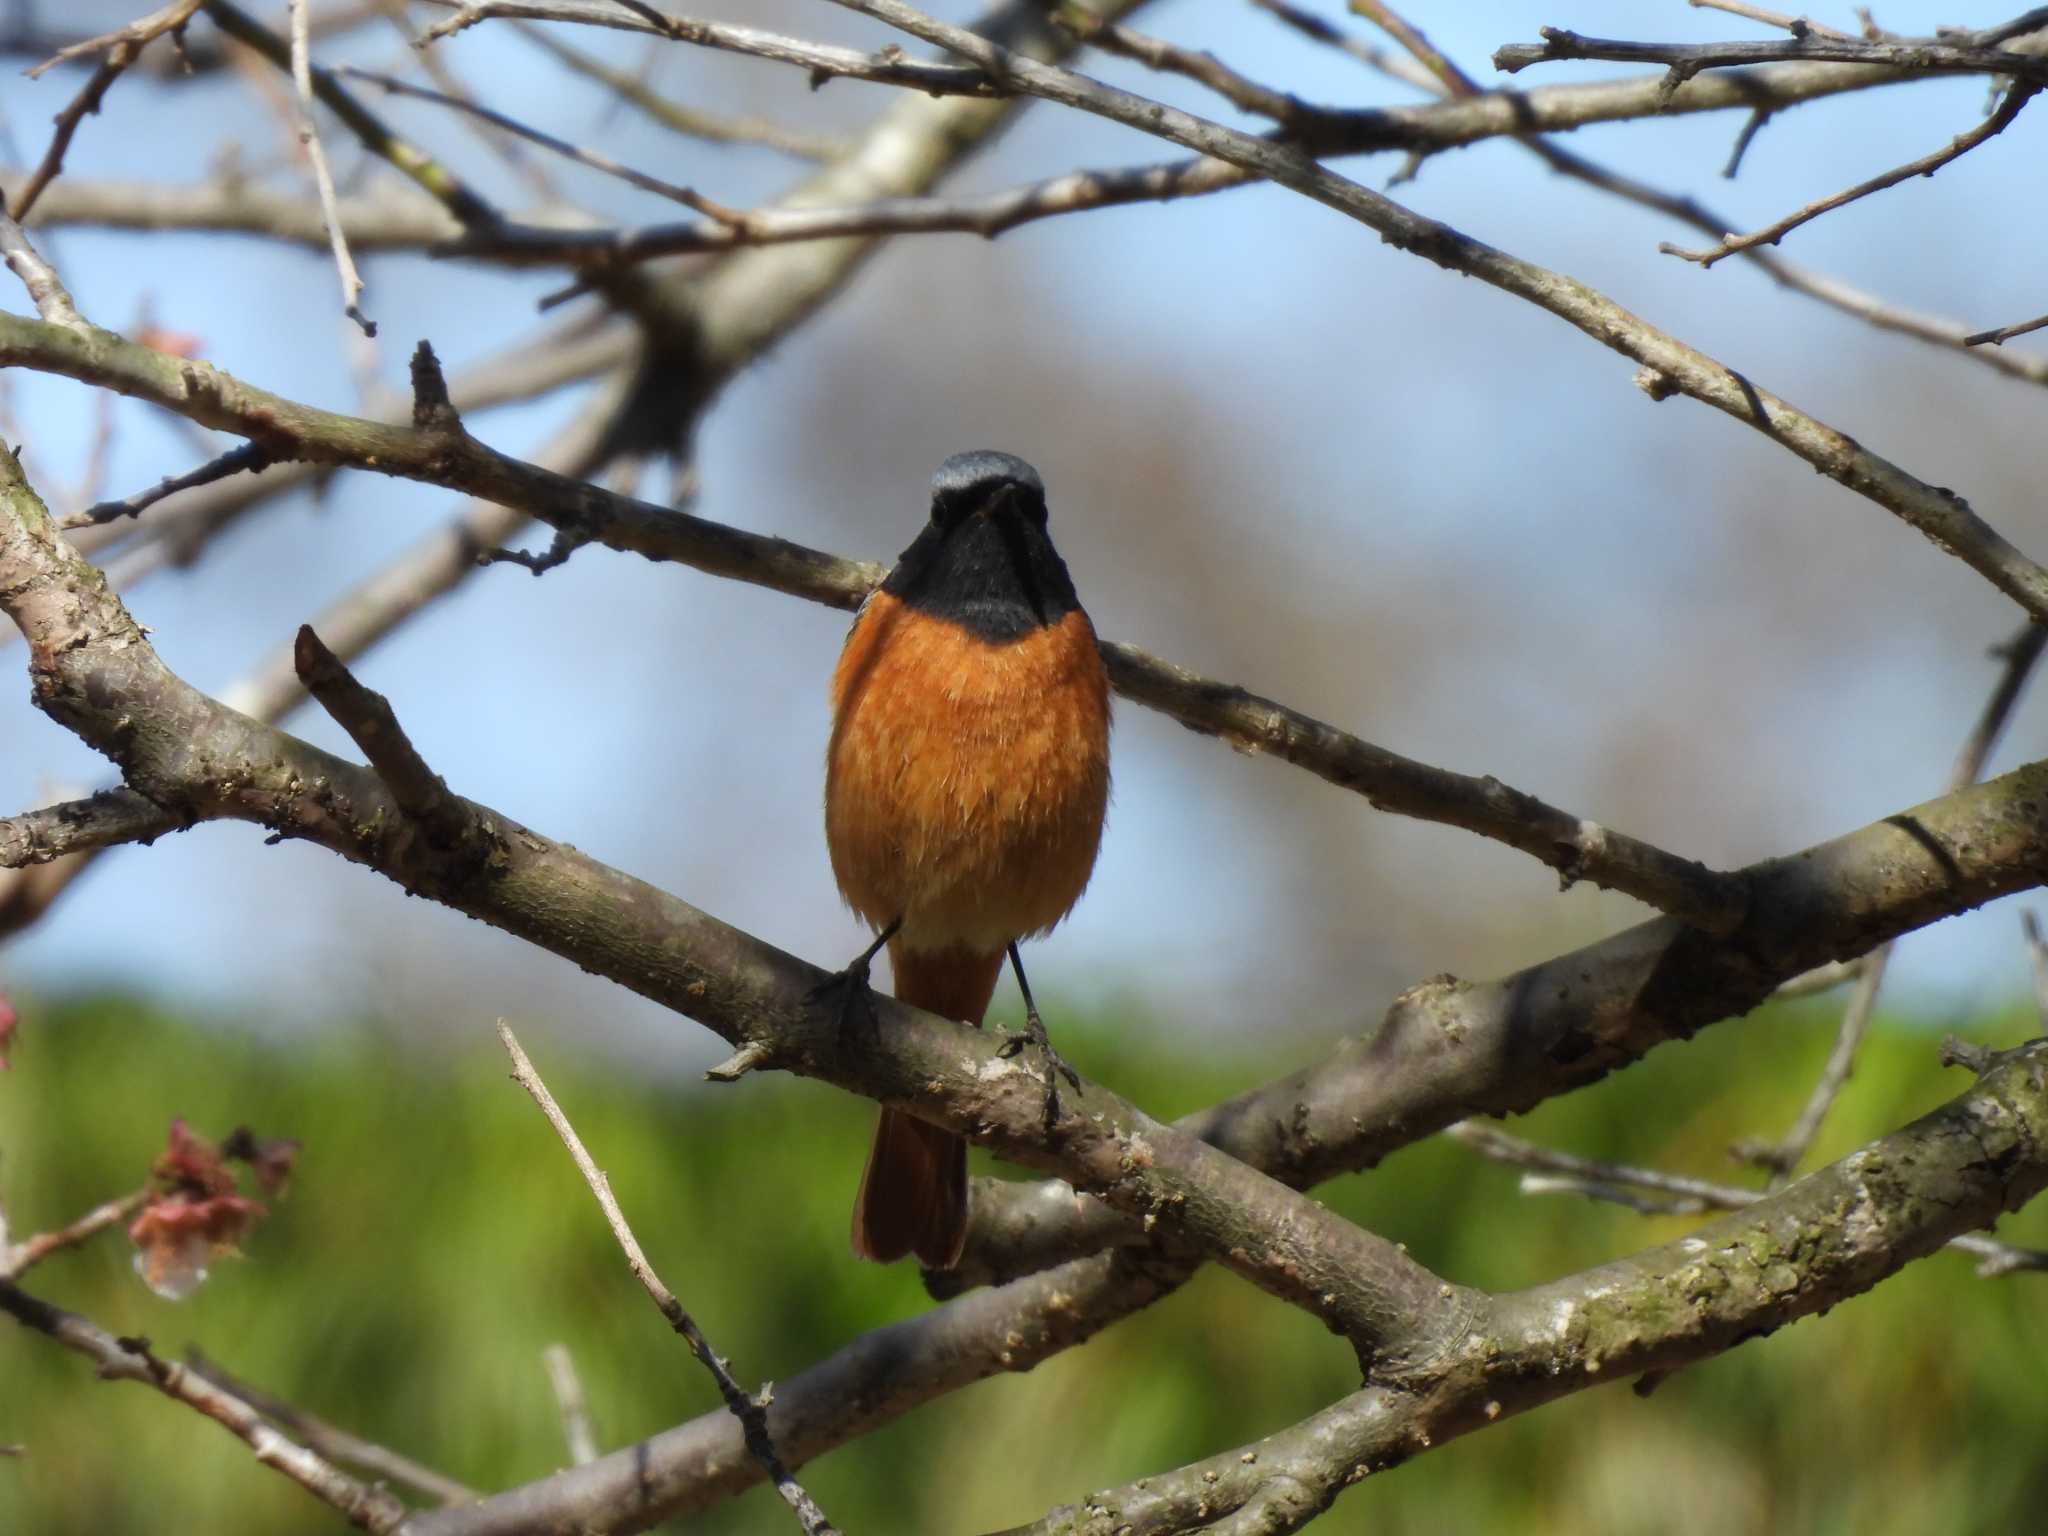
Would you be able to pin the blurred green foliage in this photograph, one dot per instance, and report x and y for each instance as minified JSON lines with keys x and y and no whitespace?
{"x":437,"y":1238}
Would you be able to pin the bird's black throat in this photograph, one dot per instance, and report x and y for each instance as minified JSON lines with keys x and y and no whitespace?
{"x":992,"y":569}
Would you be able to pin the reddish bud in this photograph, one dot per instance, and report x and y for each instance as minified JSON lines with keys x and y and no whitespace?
{"x":177,"y":1237}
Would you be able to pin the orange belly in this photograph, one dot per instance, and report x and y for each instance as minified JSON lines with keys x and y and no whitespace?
{"x":966,"y":782}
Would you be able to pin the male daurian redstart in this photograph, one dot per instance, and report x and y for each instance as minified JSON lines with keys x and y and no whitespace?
{"x":965,"y":787}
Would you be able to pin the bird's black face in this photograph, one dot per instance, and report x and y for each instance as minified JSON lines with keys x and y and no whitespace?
{"x":985,"y":560}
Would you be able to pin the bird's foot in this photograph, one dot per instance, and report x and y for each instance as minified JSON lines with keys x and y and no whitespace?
{"x":848,"y":991}
{"x":1035,"y":1038}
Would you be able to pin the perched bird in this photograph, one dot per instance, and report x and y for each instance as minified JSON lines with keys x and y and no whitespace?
{"x":965,"y":787}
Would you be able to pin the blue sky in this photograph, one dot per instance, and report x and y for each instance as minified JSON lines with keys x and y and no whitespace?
{"x":1277,"y":451}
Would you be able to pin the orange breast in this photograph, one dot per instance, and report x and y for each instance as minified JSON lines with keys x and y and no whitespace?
{"x":966,"y":782}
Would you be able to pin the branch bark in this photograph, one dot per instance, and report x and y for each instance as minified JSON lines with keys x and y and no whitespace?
{"x":444,"y":453}
{"x":1669,"y":365}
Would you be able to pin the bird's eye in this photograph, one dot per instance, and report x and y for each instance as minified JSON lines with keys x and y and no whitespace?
{"x":948,"y":509}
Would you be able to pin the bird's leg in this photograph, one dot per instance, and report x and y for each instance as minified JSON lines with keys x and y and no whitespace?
{"x":855,"y":996}
{"x":1034,"y":1035}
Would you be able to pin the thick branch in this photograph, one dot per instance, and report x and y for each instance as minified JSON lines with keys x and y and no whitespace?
{"x":1831,"y":1236}
{"x":94,"y":672}
{"x":1450,"y":1048}
{"x":871,"y":1382}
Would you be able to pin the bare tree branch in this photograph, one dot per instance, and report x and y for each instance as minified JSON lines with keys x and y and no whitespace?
{"x":2009,"y":109}
{"x":1684,"y":1196}
{"x":1669,"y":366}
{"x":871,"y":1382}
{"x":81,"y":106}
{"x":45,"y":289}
{"x":1449,"y":1048}
{"x":57,"y":831}
{"x":1830,"y":1236}
{"x":364,"y":1506}
{"x":823,"y":62}
{"x":1389,"y":1306}
{"x":681,"y":119}
{"x":443,"y":185}
{"x":1576,"y":848}
{"x":333,"y":1442}
{"x":1782,"y":1157}
{"x":751,"y":1411}
{"x":19,"y":1258}
{"x":323,"y":178}
{"x":1976,"y":53}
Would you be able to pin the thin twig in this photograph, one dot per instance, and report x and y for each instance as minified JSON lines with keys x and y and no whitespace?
{"x":1822,"y":978}
{"x":172,"y":19}
{"x":1439,"y":66}
{"x":1999,"y":335}
{"x":1240,"y":90}
{"x":1798,"y":26}
{"x":635,"y":93}
{"x":245,"y":457}
{"x":1668,"y":366}
{"x":590,"y":157}
{"x":1832,"y":291}
{"x":86,"y":102}
{"x":1566,"y":1173}
{"x":131,"y":1359}
{"x":425,"y":171}
{"x":2020,"y":93}
{"x":751,"y":1411}
{"x":1784,"y":1156}
{"x":2037,"y":951}
{"x":323,"y":178}
{"x":575,"y":1408}
{"x":888,"y":66}
{"x":25,"y":1255}
{"x":335,"y":1443}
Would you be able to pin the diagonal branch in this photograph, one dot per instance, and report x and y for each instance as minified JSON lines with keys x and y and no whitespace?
{"x":445,"y":454}
{"x":870,"y":1382}
{"x":96,"y":673}
{"x":365,"y":1506}
{"x":823,"y":62}
{"x":440,"y":183}
{"x":2008,"y":110}
{"x":1832,"y":1235}
{"x":1669,"y":365}
{"x":333,"y":1442}
{"x":1450,"y":1048}
{"x":750,"y":1411}
{"x":2021,"y":653}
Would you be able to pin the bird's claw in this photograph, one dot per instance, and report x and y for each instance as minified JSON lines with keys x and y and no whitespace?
{"x":1035,"y":1037}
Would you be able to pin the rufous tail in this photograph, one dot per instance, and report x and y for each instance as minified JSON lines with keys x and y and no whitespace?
{"x":913,"y":1196}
